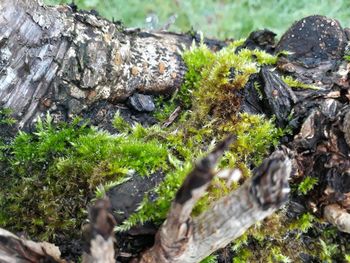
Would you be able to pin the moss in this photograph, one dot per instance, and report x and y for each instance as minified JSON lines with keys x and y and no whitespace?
{"x":212,"y":86}
{"x":5,"y":117}
{"x":209,"y":83}
{"x":120,"y":124}
{"x":303,"y":223}
{"x":213,"y":78}
{"x":210,"y":259}
{"x":277,"y":256}
{"x":54,"y":171}
{"x":307,"y":185}
{"x":164,"y":108}
{"x":327,"y":251}
{"x":293,"y":83}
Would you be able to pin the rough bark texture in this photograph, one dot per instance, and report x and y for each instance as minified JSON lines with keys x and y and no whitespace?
{"x":99,"y":247}
{"x":57,"y":60}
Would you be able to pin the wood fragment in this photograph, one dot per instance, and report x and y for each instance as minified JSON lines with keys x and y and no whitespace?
{"x":99,"y":236}
{"x":173,"y":116}
{"x":187,"y":240}
{"x":338,"y":217}
{"x":17,"y":250}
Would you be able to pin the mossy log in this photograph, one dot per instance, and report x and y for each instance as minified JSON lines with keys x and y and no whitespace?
{"x":57,"y":60}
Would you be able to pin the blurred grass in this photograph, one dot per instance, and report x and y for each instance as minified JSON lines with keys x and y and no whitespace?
{"x":220,"y":19}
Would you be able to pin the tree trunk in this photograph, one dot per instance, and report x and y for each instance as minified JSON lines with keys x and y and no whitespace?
{"x":55,"y":60}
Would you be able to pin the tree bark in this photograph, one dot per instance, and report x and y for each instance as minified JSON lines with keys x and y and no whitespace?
{"x":53,"y":59}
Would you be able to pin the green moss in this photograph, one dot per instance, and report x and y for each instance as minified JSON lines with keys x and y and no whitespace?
{"x":55,"y":171}
{"x":5,"y":117}
{"x":210,"y":259}
{"x":293,"y":83}
{"x":307,"y":185}
{"x":62,"y":167}
{"x":277,"y":256}
{"x":303,"y":223}
{"x":164,"y":108}
{"x":120,"y":124}
{"x":243,"y":256}
{"x":213,"y":78}
{"x":212,"y":86}
{"x":328,"y":251}
{"x":208,"y":84}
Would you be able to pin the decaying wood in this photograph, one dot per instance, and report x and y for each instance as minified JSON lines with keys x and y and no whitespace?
{"x":19,"y":250}
{"x":99,"y":236}
{"x":57,"y":60}
{"x":183,"y":239}
{"x":172,"y":117}
{"x":338,"y":216}
{"x":53,"y":59}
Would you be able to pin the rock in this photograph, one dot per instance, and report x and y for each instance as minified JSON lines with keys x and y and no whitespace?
{"x":141,"y":102}
{"x":126,"y":197}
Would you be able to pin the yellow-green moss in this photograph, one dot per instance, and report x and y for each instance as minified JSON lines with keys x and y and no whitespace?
{"x":5,"y":117}
{"x":294,"y":83}
{"x":53,"y":172}
{"x":209,"y":92}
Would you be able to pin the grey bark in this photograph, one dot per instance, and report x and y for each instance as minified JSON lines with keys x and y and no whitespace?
{"x":53,"y":59}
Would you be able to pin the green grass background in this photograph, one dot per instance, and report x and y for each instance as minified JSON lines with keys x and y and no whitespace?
{"x":220,"y":19}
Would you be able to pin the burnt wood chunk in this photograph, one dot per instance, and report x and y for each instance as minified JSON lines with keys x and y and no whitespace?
{"x":314,"y":39}
{"x":260,"y":39}
{"x":316,"y":45}
{"x":278,"y":95}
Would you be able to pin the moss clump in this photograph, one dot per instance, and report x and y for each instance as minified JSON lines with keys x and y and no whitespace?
{"x":227,"y":71}
{"x":307,"y":185}
{"x":53,"y":172}
{"x":213,"y":78}
{"x":210,"y":92}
